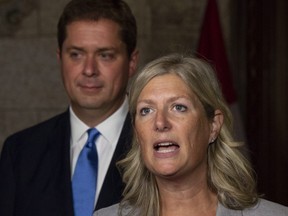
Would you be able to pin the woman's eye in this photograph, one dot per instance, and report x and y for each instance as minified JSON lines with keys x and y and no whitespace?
{"x":145,"y":111}
{"x":180,"y":108}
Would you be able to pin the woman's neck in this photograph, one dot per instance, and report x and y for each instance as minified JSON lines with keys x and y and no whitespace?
{"x":194,"y":199}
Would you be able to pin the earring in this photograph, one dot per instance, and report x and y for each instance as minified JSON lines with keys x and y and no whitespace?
{"x":212,"y":140}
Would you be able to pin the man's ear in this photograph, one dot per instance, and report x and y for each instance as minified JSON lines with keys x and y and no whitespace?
{"x":133,"y":62}
{"x":216,"y":125}
{"x":58,"y":52}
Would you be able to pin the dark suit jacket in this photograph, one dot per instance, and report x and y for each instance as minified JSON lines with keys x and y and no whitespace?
{"x":35,"y":176}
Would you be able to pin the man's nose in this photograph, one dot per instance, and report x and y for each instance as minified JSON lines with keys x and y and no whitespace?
{"x":90,"y":66}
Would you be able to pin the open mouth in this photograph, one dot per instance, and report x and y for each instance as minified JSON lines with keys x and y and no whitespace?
{"x":166,"y":147}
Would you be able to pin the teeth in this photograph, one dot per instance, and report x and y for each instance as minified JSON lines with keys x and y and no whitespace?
{"x":165,"y":144}
{"x":166,"y":147}
{"x":166,"y":150}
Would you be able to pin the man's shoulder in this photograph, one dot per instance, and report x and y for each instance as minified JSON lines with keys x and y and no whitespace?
{"x":41,"y":128}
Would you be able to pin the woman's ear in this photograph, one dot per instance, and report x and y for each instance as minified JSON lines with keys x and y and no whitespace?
{"x":216,"y":124}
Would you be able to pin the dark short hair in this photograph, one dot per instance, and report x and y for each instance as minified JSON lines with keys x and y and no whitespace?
{"x":93,"y":10}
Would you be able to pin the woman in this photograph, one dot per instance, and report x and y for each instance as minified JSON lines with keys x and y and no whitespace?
{"x":183,"y":160}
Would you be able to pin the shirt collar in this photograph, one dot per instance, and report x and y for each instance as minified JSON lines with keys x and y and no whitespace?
{"x":78,"y":128}
{"x":109,"y":128}
{"x":112,"y":126}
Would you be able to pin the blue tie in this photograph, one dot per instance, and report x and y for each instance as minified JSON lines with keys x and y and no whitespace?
{"x":84,"y":180}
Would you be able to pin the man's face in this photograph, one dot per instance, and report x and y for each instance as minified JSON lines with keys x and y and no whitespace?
{"x":95,"y":66}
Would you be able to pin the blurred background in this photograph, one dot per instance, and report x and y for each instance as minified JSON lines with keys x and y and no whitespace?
{"x":255,"y":35}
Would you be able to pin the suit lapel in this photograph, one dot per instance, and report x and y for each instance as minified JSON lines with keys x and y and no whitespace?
{"x":59,"y":143}
{"x":65,"y":129}
{"x":113,"y":181}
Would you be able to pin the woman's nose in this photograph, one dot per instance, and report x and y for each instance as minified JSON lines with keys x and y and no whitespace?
{"x":162,"y":122}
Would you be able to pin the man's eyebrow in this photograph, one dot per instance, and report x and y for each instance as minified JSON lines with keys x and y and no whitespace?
{"x":105,"y":49}
{"x":74,"y":48}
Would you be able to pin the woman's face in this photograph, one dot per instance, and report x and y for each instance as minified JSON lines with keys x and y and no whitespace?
{"x":172,"y":128}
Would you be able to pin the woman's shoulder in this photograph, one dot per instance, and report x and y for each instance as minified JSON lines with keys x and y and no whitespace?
{"x":114,"y":210}
{"x":262,"y":208}
{"x":108,"y":211}
{"x":265,"y":207}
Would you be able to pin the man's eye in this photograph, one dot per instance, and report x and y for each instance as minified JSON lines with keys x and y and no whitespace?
{"x":144,"y":111}
{"x":180,"y":108}
{"x":107,"y":56}
{"x":74,"y":55}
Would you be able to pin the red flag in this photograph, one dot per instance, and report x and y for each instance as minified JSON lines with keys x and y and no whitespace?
{"x":212,"y":48}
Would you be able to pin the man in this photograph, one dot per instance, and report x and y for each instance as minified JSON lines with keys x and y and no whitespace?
{"x":97,"y":53}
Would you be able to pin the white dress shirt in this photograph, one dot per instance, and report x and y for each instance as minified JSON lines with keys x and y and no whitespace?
{"x":110,"y":130}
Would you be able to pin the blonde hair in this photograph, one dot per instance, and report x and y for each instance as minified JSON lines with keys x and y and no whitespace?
{"x":230,"y":174}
